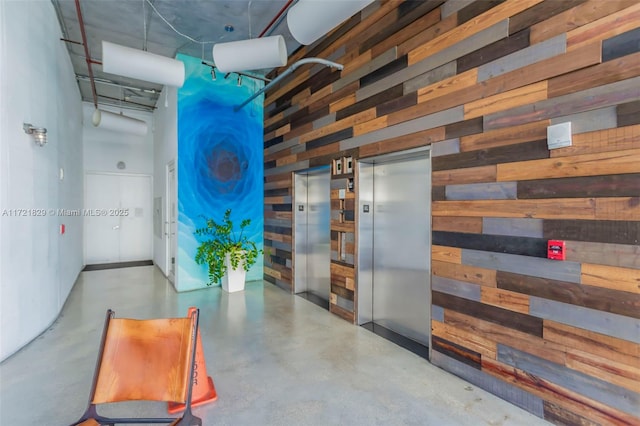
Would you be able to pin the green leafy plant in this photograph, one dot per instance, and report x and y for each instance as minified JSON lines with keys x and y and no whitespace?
{"x":217,"y":239}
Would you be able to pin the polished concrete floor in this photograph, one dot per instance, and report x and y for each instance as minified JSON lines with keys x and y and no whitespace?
{"x":276,"y":359}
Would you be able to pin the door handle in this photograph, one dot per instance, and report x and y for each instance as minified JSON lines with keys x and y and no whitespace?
{"x":116,"y":227}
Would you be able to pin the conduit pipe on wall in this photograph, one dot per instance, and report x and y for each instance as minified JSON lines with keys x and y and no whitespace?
{"x":118,"y":123}
{"x":87,"y":55}
{"x":289,"y":70}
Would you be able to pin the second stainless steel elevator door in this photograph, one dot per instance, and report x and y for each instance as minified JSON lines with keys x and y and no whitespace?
{"x":312,"y":209}
{"x":395,"y":245}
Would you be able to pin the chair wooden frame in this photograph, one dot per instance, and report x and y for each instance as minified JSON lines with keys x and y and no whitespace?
{"x":187,"y":352}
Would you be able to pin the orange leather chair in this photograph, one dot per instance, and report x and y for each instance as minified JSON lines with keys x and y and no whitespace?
{"x":144,"y":360}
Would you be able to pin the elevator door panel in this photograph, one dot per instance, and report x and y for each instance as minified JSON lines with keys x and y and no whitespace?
{"x":313,"y":233}
{"x":401,"y":247}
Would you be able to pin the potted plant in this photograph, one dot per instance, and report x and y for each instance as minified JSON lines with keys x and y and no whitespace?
{"x":227,"y":252}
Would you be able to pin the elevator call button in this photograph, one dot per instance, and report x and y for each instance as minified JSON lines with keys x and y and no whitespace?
{"x":300,"y":207}
{"x":365,"y":208}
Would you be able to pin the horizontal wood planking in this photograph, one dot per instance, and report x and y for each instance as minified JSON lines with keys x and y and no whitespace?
{"x":456,"y":351}
{"x":605,"y":27}
{"x":457,"y":224}
{"x":611,"y":277}
{"x":615,"y":325}
{"x":620,"y":255}
{"x":535,"y":247}
{"x":471,"y":340}
{"x":608,"y":163}
{"x":555,"y":352}
{"x":595,"y":297}
{"x":503,"y":388}
{"x":609,"y":394}
{"x":573,"y":401}
{"x":471,"y":274}
{"x":465,"y":152}
{"x":525,"y":265}
{"x":517,"y":321}
{"x":605,"y":231}
{"x":578,"y":338}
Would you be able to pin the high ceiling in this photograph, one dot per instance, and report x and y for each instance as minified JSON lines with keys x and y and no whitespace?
{"x":140,"y":24}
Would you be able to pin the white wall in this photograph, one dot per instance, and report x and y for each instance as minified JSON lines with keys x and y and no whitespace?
{"x":38,"y":266}
{"x":103,"y":149}
{"x":165,"y":120}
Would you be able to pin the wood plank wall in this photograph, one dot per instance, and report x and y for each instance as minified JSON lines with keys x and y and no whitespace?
{"x":480,"y":81}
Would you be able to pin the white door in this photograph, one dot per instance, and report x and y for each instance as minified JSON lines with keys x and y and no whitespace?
{"x":170,"y":226}
{"x":118,"y":223}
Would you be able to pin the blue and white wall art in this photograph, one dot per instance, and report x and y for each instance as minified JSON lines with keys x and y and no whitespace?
{"x":220,"y":162}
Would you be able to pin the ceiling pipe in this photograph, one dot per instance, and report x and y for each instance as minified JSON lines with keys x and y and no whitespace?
{"x":289,"y":70}
{"x":275,"y":18}
{"x":87,"y":54}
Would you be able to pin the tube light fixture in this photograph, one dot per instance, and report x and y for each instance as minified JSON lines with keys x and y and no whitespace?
{"x":309,"y":20}
{"x":252,"y":54}
{"x":118,"y":123}
{"x":134,"y":63}
{"x":39,"y":133}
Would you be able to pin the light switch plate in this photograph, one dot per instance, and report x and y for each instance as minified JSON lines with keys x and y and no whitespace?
{"x":342,"y":193}
{"x":559,"y":135}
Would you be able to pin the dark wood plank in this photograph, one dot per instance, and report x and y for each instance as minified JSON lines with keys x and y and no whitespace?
{"x":330,"y":138}
{"x":600,"y":231}
{"x":397,"y":104}
{"x":628,"y":114}
{"x":539,"y":13}
{"x":323,"y":78}
{"x":371,"y":102}
{"x":517,"y":321}
{"x":558,"y":415}
{"x":307,"y":117}
{"x":627,"y":185}
{"x":327,"y":41}
{"x":406,"y":13}
{"x":602,"y":299}
{"x":463,"y":128}
{"x":457,"y":352}
{"x":338,"y":287}
{"x":535,"y":247}
{"x":498,"y":49}
{"x":518,"y":152}
{"x":384,"y":71}
{"x":476,"y":8}
{"x":274,"y":141}
{"x":621,"y":45}
{"x":342,"y":313}
{"x":438,"y":193}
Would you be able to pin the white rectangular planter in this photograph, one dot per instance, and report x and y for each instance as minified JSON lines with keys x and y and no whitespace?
{"x":234,"y":279}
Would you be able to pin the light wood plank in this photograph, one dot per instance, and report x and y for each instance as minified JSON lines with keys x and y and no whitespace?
{"x":472,"y":274}
{"x":345,"y":123}
{"x":400,"y":143}
{"x":370,"y":126}
{"x":461,"y":32}
{"x":505,"y":299}
{"x":448,"y":85}
{"x":472,"y":225}
{"x":561,"y":208}
{"x":446,"y":254}
{"x":506,"y":136}
{"x":343,"y":271}
{"x":621,"y":279}
{"x":510,"y":99}
{"x":617,"y":162}
{"x":467,"y":175}
{"x":619,"y":374}
{"x":618,"y":208}
{"x":604,"y":28}
{"x":618,"y":139}
{"x":465,"y":339}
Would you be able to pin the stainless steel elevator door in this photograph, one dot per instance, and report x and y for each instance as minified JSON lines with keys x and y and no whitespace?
{"x":312,"y":207}
{"x":401,"y":247}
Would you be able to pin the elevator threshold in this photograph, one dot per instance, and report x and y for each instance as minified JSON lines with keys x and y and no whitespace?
{"x":117,"y":265}
{"x":400,"y":340}
{"x":316,"y":300}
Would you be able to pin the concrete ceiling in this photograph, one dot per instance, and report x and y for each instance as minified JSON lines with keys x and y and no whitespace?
{"x":135,"y":23}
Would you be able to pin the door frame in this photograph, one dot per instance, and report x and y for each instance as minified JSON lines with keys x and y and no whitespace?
{"x":169,"y":197}
{"x":364,"y":232}
{"x":84,"y":198}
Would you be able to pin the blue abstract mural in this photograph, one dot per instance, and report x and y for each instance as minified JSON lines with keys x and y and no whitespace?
{"x":220,"y":163}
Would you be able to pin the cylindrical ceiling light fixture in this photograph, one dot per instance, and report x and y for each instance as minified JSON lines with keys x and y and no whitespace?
{"x":134,"y":63}
{"x":118,"y":123}
{"x":252,"y":54}
{"x":309,"y":20}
